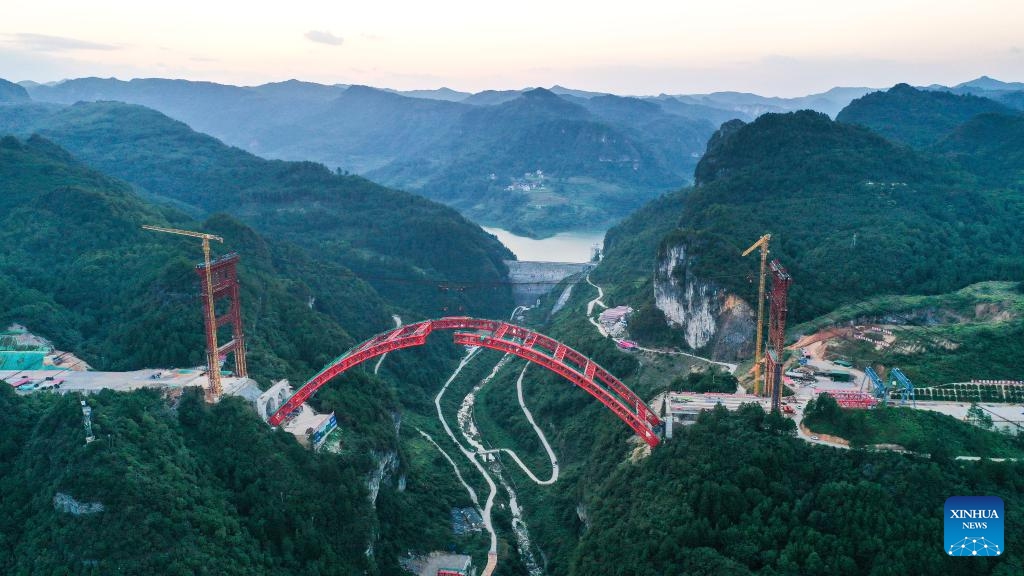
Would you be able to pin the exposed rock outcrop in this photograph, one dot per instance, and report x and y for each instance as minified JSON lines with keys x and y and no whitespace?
{"x":387,"y":465}
{"x":64,"y":502}
{"x":710,"y":317}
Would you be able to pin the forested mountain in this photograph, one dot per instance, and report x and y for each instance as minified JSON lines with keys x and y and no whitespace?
{"x":398,"y":241}
{"x":11,"y":92}
{"x":192,"y":489}
{"x":918,"y":118}
{"x":731,"y":497}
{"x":79,"y":269}
{"x":1009,"y":93}
{"x":990,"y":146}
{"x":222,"y":110}
{"x":750,"y":106}
{"x":599,"y":163}
{"x":850,"y":213}
{"x":852,"y":216}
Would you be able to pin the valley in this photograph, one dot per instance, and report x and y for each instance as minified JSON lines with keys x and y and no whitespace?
{"x":632,"y":445}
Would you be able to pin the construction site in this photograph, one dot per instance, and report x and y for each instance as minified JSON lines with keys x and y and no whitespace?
{"x":29,"y":363}
{"x":783,"y":379}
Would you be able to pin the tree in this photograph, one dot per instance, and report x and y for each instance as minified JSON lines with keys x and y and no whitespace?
{"x":976,"y":415}
{"x":711,"y":380}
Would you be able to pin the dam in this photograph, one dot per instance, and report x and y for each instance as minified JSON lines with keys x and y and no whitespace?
{"x":531,"y":280}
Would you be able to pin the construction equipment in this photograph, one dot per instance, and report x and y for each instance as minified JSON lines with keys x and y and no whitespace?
{"x":212,"y":356}
{"x":899,"y":381}
{"x":762,"y":243}
{"x":878,"y":386}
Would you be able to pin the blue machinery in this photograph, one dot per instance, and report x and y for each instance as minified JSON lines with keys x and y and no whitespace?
{"x":897,"y":381}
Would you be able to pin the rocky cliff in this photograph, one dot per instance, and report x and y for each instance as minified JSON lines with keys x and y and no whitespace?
{"x":711,"y":318}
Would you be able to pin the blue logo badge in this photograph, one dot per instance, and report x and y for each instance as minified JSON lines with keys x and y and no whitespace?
{"x":974,"y":526}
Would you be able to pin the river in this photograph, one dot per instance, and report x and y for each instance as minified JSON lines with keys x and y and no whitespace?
{"x":562,"y":247}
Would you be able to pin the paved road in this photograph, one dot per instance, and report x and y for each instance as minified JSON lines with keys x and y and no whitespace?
{"x":493,"y":489}
{"x":472,"y":493}
{"x":598,"y":301}
{"x":540,"y":434}
{"x":600,"y":295}
{"x":797,"y":418}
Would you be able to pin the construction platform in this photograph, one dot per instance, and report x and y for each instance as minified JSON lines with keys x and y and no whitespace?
{"x":89,"y":382}
{"x":683,"y":408}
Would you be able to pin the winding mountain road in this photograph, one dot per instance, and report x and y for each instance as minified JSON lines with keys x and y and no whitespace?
{"x":492,"y":487}
{"x":599,"y":301}
{"x":540,"y":434}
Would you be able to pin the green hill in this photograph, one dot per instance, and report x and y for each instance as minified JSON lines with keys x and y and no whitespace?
{"x":402,"y":244}
{"x":851,"y":215}
{"x":991,"y":146}
{"x":188,"y":490}
{"x":918,"y":118}
{"x":729,"y":497}
{"x":597,"y":163}
{"x":79,"y":269}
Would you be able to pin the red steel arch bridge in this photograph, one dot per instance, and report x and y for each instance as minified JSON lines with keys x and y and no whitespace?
{"x":509,"y":338}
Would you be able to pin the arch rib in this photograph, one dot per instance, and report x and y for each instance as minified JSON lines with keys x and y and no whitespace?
{"x":522,"y":342}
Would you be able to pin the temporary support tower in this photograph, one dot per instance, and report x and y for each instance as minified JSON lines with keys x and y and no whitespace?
{"x":762,"y":242}
{"x":781,"y":281}
{"x":212,"y":322}
{"x":223,"y":274}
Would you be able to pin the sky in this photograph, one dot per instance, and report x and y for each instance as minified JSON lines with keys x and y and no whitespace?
{"x":771,"y":47}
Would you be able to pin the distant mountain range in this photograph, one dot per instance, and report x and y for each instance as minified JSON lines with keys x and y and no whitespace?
{"x":1008,"y":93}
{"x":535,"y":161}
{"x":375,"y":232}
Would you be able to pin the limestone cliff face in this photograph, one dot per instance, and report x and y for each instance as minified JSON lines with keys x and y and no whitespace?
{"x":710,"y":317}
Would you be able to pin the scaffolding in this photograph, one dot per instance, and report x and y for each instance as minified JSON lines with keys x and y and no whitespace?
{"x":221,"y":282}
{"x":781,"y":280}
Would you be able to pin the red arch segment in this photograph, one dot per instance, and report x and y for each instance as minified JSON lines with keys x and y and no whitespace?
{"x":527,"y":344}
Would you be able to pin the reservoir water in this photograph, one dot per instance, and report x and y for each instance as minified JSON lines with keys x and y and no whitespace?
{"x":562,"y":247}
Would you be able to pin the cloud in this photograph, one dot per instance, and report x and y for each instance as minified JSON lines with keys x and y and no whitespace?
{"x":47,"y":43}
{"x":324,"y":37}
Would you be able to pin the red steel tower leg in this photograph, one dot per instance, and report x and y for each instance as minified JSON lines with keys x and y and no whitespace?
{"x":223,"y":276}
{"x":781,"y":281}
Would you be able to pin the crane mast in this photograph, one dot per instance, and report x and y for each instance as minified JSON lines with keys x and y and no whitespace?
{"x":212,"y":361}
{"x":762,"y":243}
